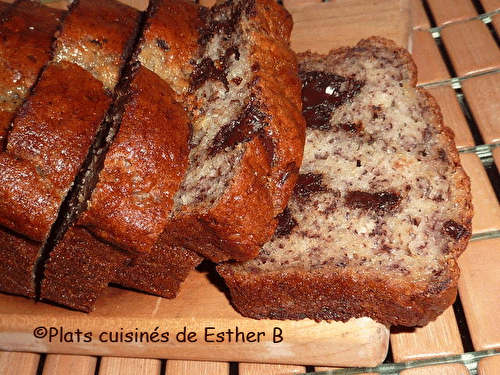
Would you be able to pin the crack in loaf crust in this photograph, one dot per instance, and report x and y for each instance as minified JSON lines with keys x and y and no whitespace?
{"x":247,"y":132}
{"x":382,"y":208}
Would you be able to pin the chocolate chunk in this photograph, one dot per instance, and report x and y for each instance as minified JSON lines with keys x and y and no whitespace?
{"x":321,"y":93}
{"x":248,"y":124}
{"x":353,"y":128}
{"x":309,"y":183}
{"x":162,"y":44}
{"x":286,"y":223}
{"x":208,"y":70}
{"x":225,"y":25}
{"x":232,"y":51}
{"x":381,"y":202}
{"x":455,"y":230}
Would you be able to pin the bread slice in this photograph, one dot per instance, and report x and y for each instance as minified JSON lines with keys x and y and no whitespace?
{"x":160,"y":272}
{"x":27,"y":31}
{"x":52,"y":133}
{"x":382,"y":208}
{"x":169,"y":42}
{"x":248,"y":134}
{"x":168,"y":45}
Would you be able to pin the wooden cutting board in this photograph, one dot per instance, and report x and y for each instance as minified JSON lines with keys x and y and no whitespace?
{"x":200,"y":324}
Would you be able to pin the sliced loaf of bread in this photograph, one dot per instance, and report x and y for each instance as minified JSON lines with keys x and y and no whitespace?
{"x":382,"y":207}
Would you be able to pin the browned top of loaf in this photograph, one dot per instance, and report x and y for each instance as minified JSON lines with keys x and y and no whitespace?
{"x":50,"y":137}
{"x":26,"y":35}
{"x":382,"y":208}
{"x":143,"y":167}
{"x":98,"y":35}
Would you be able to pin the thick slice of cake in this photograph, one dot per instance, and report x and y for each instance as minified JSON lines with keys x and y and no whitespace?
{"x":168,"y":45}
{"x":382,"y":207}
{"x":27,"y":32}
{"x":248,"y":134}
{"x":53,"y":131}
{"x":170,"y":42}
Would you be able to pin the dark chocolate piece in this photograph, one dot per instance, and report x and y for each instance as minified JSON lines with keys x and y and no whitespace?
{"x":384,"y":201}
{"x":321,"y":93}
{"x":309,"y":183}
{"x":242,"y":129}
{"x":286,"y":223}
{"x":454,"y":230}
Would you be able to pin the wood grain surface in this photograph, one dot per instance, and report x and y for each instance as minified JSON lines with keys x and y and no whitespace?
{"x":200,"y":324}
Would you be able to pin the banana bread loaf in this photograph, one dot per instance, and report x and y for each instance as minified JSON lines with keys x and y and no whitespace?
{"x":382,"y":208}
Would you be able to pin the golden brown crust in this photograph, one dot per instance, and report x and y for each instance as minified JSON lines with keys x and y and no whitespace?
{"x":17,"y":271}
{"x":42,"y":140}
{"x":160,"y":272}
{"x":286,"y":127}
{"x":339,"y":295}
{"x":80,"y":267}
{"x":98,"y":36}
{"x":169,"y":42}
{"x":27,"y":32}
